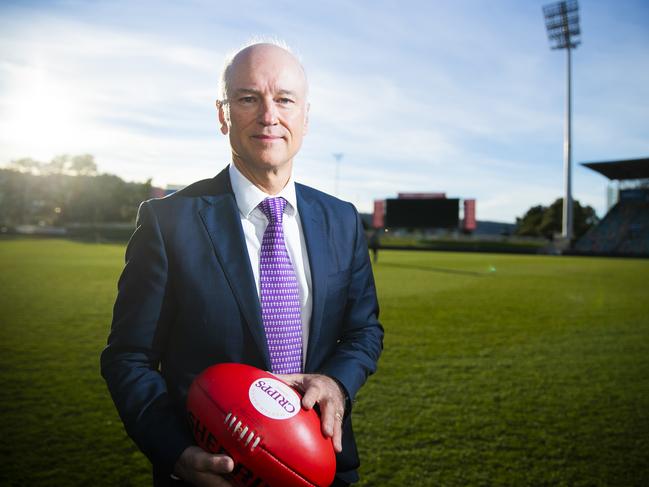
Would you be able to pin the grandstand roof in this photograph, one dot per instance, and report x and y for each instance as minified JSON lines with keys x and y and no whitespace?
{"x":621,"y":170}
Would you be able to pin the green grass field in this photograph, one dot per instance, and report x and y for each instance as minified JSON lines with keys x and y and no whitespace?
{"x":497,"y":370}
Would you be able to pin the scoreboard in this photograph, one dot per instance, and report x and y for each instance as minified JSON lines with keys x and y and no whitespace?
{"x":422,"y":213}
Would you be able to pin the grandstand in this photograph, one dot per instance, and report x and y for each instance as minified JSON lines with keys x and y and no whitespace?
{"x":625,"y":228}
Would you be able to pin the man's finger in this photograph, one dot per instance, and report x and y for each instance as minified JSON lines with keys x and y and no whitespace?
{"x":219,"y":464}
{"x":293,"y":380}
{"x":203,"y":469}
{"x":328,"y":420}
{"x":207,"y":462}
{"x":311,"y":396}
{"x":338,"y":432}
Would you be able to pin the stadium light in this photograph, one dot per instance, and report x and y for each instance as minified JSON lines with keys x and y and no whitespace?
{"x":562,"y":24}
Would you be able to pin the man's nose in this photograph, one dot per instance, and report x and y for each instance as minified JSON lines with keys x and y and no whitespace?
{"x":268,"y":112}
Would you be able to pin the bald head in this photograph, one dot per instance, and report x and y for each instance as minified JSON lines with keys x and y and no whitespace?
{"x":276,"y":56}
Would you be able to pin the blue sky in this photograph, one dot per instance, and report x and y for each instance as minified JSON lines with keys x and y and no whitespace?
{"x":464,"y":97}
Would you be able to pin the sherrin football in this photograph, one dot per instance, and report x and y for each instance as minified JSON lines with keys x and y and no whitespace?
{"x":256,"y":419}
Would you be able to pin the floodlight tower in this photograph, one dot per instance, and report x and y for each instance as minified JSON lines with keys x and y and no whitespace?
{"x":562,"y":24}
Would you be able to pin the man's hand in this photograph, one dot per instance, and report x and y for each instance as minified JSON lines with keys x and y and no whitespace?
{"x":203,"y":469}
{"x":324,"y":391}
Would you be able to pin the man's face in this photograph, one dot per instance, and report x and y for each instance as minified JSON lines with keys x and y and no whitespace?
{"x":266,"y":111}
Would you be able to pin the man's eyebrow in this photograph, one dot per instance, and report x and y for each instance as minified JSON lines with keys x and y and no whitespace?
{"x":240,"y":91}
{"x":250,"y":91}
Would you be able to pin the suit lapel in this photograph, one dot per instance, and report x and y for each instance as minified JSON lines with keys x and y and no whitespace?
{"x":221,"y":220}
{"x":316,"y":244}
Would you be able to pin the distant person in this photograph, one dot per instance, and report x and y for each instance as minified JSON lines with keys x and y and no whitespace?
{"x":375,"y":244}
{"x":195,"y":289}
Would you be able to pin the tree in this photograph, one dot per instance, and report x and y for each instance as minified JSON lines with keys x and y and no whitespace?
{"x":584,"y":217}
{"x":26,"y":165}
{"x":66,"y":190}
{"x":546,"y":221}
{"x":553,"y":218}
{"x":529,"y":224}
{"x":57,"y":165}
{"x":83,"y":165}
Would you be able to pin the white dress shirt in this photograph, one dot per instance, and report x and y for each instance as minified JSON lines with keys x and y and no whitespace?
{"x":254,"y":223}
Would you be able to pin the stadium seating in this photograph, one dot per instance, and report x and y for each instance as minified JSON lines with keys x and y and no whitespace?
{"x":623,"y":231}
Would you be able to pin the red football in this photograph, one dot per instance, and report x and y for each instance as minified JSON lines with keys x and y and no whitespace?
{"x":258,"y":420}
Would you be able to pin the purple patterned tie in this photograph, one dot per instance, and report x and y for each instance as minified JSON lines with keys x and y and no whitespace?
{"x":280,"y":295}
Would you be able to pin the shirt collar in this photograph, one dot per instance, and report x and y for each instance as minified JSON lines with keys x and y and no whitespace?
{"x":248,"y":196}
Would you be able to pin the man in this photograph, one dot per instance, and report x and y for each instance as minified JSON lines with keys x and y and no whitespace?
{"x":194,"y":291}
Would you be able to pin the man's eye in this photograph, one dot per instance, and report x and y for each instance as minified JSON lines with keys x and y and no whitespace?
{"x":247,"y":99}
{"x":285,"y":101}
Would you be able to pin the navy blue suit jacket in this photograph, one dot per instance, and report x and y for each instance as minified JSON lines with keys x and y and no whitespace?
{"x":187,"y":299}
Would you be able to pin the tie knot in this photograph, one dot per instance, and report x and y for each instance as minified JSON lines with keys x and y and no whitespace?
{"x":273,"y":208}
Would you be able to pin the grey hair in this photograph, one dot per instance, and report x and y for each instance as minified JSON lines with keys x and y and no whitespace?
{"x":226,"y":71}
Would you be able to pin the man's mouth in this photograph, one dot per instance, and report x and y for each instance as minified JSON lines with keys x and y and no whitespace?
{"x":265,"y":137}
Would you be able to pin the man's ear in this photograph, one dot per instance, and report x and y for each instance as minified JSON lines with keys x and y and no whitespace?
{"x":222,"y":118}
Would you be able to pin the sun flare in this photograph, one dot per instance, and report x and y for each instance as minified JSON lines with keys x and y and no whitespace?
{"x":43,"y":115}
